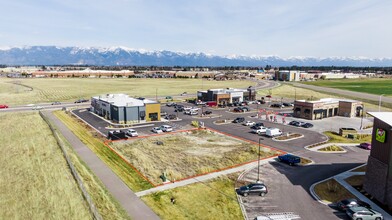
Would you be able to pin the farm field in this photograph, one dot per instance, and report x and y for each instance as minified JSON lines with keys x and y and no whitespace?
{"x":215,"y":199}
{"x":43,"y":90}
{"x":184,"y":154}
{"x":35,"y":181}
{"x":290,"y":92}
{"x":372,"y":86}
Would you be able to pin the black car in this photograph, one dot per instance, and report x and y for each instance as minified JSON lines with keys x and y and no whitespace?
{"x":253,"y":188}
{"x":238,"y":109}
{"x":81,"y":100}
{"x":348,"y":203}
{"x":207,"y":112}
{"x":171,"y":117}
{"x":244,"y":108}
{"x":117,"y":135}
{"x":276,"y":105}
{"x":293,"y":122}
{"x":239,"y":120}
{"x":307,"y":125}
{"x":170,"y":104}
{"x":257,"y":125}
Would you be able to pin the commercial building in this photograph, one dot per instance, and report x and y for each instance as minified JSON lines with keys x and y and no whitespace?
{"x":378,"y":177}
{"x":226,"y":96}
{"x":327,"y":107}
{"x":121,"y":108}
{"x":287,"y":75}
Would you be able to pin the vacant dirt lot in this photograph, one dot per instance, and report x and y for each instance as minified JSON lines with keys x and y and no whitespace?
{"x":187,"y":154}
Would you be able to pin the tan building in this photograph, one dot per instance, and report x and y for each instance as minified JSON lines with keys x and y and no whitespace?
{"x":328,"y":107}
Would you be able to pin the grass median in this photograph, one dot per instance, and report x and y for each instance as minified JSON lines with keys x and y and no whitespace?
{"x":331,"y":191}
{"x":116,"y":163}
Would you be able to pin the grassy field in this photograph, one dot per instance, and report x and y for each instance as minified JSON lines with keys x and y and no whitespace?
{"x":332,"y":191}
{"x":35,"y":181}
{"x":15,"y":92}
{"x":372,"y":86}
{"x":290,"y":92}
{"x":215,"y":199}
{"x":187,"y":153}
{"x":336,"y":138}
{"x":91,"y":139}
{"x":107,"y":206}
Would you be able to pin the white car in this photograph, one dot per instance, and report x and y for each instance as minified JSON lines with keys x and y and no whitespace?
{"x":249,"y":123}
{"x":156,"y":130}
{"x":187,"y":108}
{"x":260,"y":130}
{"x":37,"y":107}
{"x":132,"y":133}
{"x":166,"y":128}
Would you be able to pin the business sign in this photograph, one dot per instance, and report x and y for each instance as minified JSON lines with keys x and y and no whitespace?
{"x":380,"y":135}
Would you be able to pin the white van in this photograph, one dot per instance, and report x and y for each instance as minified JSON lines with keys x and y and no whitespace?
{"x":272,"y":132}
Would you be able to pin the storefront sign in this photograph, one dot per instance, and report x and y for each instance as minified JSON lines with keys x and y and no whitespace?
{"x":380,"y":135}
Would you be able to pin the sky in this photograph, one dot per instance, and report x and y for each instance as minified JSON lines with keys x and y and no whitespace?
{"x":285,"y":28}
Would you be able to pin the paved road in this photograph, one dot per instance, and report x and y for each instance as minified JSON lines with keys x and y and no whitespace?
{"x":359,"y":95}
{"x":135,"y":208}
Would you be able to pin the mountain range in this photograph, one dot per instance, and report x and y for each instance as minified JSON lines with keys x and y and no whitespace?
{"x":112,"y":56}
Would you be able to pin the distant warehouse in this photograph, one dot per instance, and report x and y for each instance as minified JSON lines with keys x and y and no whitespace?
{"x":121,"y":108}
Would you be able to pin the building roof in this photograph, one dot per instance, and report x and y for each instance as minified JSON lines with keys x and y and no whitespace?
{"x":121,"y":100}
{"x":328,"y":100}
{"x":383,"y":116}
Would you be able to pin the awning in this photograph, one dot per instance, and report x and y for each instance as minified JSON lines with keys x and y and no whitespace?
{"x":317,"y":111}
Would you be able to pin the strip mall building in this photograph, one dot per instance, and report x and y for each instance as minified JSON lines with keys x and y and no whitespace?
{"x":121,"y":108}
{"x":226,"y":96}
{"x":328,"y":107}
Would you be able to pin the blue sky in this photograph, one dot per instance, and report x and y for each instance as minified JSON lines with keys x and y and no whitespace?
{"x":318,"y":28}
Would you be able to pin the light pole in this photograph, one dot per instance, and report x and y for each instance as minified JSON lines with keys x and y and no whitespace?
{"x":258,"y":162}
{"x":379,"y":102}
{"x":363,"y":108}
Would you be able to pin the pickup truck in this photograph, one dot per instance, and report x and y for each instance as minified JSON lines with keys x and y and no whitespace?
{"x":289,"y":159}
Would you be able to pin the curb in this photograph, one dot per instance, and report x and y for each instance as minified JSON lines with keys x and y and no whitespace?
{"x":274,"y":139}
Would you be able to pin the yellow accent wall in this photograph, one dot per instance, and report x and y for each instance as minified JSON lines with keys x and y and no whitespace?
{"x":153,"y":108}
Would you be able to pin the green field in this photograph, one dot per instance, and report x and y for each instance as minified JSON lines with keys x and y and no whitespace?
{"x":215,"y":199}
{"x":35,"y":181}
{"x":39,"y":90}
{"x":372,"y":86}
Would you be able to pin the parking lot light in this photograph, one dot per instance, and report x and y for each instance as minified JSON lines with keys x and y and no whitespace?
{"x":258,"y":162}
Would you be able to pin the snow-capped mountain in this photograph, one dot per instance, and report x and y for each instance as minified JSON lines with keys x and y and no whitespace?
{"x":52,"y":55}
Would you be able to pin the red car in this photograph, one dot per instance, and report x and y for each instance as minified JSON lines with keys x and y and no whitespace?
{"x":3,"y":106}
{"x":366,"y":146}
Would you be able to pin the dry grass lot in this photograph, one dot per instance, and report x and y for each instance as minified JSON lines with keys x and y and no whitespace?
{"x":215,"y":199}
{"x":336,"y":138}
{"x":187,"y":153}
{"x":332,"y":148}
{"x":15,"y":92}
{"x":35,"y":181}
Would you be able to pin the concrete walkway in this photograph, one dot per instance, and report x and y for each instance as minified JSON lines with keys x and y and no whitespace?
{"x":202,"y":178}
{"x":135,"y":207}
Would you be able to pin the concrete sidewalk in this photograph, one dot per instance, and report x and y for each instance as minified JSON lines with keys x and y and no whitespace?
{"x":202,"y":178}
{"x":135,"y":207}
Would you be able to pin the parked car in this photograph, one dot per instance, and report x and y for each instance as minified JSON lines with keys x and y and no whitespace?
{"x":293,"y":122}
{"x":253,"y":188}
{"x":249,"y":123}
{"x":289,"y":159}
{"x":157,"y":130}
{"x":56,"y":103}
{"x":166,"y":128}
{"x":117,"y":135}
{"x":366,"y":146}
{"x":307,"y":125}
{"x":344,"y":204}
{"x":163,"y":114}
{"x":171,"y":117}
{"x":244,"y":108}
{"x":207,"y":112}
{"x":276,"y":105}
{"x":260,"y":130}
{"x":170,"y":104}
{"x":3,"y":106}
{"x":238,"y":109}
{"x":363,"y":213}
{"x":257,"y":125}
{"x":239,"y":120}
{"x":288,"y":104}
{"x":132,"y":133}
{"x":273,"y":132}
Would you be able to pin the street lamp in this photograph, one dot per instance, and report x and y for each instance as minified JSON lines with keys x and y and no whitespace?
{"x":379,"y":102}
{"x":258,"y":162}
{"x":363,"y":108}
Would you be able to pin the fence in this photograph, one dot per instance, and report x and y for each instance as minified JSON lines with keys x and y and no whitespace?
{"x":75,"y":174}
